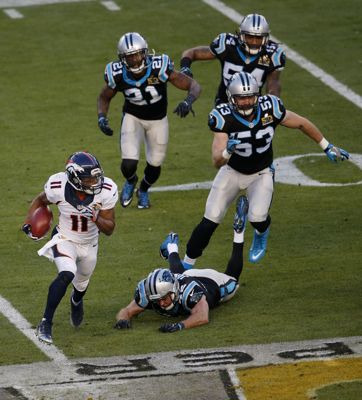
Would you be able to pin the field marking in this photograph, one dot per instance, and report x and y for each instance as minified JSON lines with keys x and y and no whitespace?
{"x":301,"y":61}
{"x":26,"y":3}
{"x":12,"y":13}
{"x":26,"y":329}
{"x":286,"y":173}
{"x":111,"y":5}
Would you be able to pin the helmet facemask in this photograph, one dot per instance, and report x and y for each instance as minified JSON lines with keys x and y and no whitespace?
{"x":85,"y":173}
{"x":243,"y":85}
{"x":253,"y":25}
{"x":160,"y":284}
{"x":133,"y":52}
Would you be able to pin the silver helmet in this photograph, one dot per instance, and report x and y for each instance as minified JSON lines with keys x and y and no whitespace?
{"x":160,"y":283}
{"x":253,"y":25}
{"x":243,"y":84}
{"x":130,"y":44}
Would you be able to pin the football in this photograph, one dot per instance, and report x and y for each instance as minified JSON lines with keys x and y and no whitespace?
{"x":41,"y":221}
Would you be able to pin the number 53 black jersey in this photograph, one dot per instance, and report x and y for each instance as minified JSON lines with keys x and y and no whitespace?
{"x":145,"y":96}
{"x":255,"y":152}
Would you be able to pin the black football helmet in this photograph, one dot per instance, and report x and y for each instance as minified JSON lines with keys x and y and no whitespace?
{"x":84,"y":173}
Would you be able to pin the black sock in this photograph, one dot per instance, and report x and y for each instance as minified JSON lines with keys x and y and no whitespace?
{"x":56,"y":292}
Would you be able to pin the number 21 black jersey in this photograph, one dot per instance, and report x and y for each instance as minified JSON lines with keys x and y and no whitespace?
{"x":146,"y":96}
{"x":255,"y":152}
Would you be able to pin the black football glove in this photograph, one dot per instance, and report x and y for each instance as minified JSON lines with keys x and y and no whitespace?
{"x":170,"y":328}
{"x":185,"y":107}
{"x":26,"y":228}
{"x":187,"y":71}
{"x":103,"y":124}
{"x":123,"y":324}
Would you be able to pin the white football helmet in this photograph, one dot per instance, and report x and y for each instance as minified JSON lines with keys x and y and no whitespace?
{"x":160,"y":283}
{"x":243,"y":84}
{"x":253,"y":25}
{"x":130,"y":44}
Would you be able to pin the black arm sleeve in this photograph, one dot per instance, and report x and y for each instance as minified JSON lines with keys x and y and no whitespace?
{"x":176,"y":265}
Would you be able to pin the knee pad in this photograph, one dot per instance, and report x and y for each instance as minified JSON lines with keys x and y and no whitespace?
{"x":66,"y":277}
{"x":152,"y":173}
{"x":129,"y":168}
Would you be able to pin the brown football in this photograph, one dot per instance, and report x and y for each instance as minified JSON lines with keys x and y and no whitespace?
{"x":41,"y":221}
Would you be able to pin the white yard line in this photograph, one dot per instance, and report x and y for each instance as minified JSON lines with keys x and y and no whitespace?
{"x":301,"y":61}
{"x":25,"y":328}
{"x":12,"y":13}
{"x":111,"y":5}
{"x":236,"y":383}
{"x":26,"y":3}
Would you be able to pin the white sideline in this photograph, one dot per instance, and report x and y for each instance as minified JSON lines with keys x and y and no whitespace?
{"x":25,"y":327}
{"x":301,"y":61}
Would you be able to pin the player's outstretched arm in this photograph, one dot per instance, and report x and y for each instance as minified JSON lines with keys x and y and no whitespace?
{"x":199,"y":316}
{"x":194,"y":54}
{"x":295,"y":121}
{"x":125,"y":315}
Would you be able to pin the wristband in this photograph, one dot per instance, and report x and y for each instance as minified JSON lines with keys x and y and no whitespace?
{"x":324,"y":143}
{"x":102,"y":115}
{"x":190,"y":99}
{"x":226,"y":154}
{"x":185,"y":62}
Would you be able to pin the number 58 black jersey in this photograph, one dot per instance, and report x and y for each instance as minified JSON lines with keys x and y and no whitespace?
{"x":145,"y":96}
{"x":255,"y":152}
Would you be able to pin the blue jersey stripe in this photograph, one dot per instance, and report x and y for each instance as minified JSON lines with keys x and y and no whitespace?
{"x":221,"y":47}
{"x":143,"y":297}
{"x":133,"y":82}
{"x":162,"y":74}
{"x":219,"y":119}
{"x":276,"y":58}
{"x":111,"y":82}
{"x":276,"y":109}
{"x":186,"y":293}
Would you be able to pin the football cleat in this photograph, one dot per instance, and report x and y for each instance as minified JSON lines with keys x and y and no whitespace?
{"x":143,"y":200}
{"x":242,"y":207}
{"x":127,"y":193}
{"x":76,"y":313}
{"x":44,"y":331}
{"x":172,"y":237}
{"x":258,"y":247}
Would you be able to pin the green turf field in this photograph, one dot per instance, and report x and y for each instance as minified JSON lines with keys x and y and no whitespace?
{"x":309,"y":284}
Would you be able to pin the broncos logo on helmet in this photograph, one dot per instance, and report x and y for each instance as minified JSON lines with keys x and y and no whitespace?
{"x":84,"y":173}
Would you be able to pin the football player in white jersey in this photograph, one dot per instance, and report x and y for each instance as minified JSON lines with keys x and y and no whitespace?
{"x":142,"y":78}
{"x":189,"y":294}
{"x":242,"y":150}
{"x":85,"y":199}
{"x":249,"y":50}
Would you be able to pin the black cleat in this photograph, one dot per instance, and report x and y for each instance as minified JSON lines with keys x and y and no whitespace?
{"x":44,"y":331}
{"x":76,"y":313}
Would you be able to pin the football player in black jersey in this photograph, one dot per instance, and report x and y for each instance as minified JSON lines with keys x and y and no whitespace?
{"x":242,"y":148}
{"x":192,"y":293}
{"x":249,"y":50}
{"x":142,"y":78}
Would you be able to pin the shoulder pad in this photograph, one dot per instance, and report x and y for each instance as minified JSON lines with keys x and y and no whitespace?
{"x":276,"y":54}
{"x":191,"y":295}
{"x":112,"y":69}
{"x":216,"y":117}
{"x":218,"y":45}
{"x":165,"y":66}
{"x":273,"y":103}
{"x":140,"y":295}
